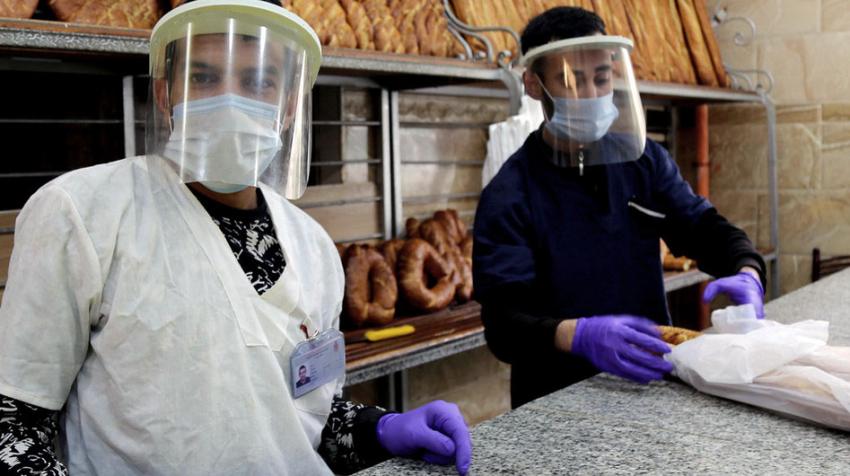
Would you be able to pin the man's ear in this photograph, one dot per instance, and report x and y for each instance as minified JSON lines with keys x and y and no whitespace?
{"x":532,"y":85}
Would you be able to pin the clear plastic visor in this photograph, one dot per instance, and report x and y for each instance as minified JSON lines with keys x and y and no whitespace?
{"x":591,"y":103}
{"x":230,"y":107}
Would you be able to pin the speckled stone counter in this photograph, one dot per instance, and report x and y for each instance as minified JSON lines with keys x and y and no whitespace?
{"x":611,"y":426}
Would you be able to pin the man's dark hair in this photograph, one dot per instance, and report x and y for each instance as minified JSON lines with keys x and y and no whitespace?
{"x":560,"y":23}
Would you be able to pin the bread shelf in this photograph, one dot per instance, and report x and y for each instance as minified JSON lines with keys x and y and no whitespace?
{"x":409,"y":71}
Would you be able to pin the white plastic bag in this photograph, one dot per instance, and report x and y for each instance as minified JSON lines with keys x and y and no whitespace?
{"x":785,"y":368}
{"x":508,"y":136}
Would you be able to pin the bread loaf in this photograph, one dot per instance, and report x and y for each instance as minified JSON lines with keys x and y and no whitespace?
{"x":700,"y":55}
{"x":676,"y":39}
{"x":120,"y":13}
{"x":646,"y":43}
{"x":711,"y":42}
{"x":17,"y":8}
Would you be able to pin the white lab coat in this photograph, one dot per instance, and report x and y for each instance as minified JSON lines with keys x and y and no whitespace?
{"x":125,"y":303}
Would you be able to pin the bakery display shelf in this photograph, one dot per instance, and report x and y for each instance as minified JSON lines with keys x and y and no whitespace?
{"x":683,"y":93}
{"x":23,"y":36}
{"x":42,"y":36}
{"x":674,"y":280}
{"x":438,"y":335}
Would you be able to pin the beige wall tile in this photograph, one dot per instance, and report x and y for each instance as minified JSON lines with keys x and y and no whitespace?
{"x":836,"y":111}
{"x":738,"y":157}
{"x":786,"y":59}
{"x":798,"y":156}
{"x":735,"y":114}
{"x":771,"y":17}
{"x":836,"y":15}
{"x":795,"y":271}
{"x":798,"y":114}
{"x":762,"y":238}
{"x":836,"y":167}
{"x":739,"y":207}
{"x":836,"y":134}
{"x":809,"y":220}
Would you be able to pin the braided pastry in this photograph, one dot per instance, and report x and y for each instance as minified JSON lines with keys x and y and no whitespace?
{"x":449,"y":224}
{"x":466,"y":248}
{"x":419,"y":265}
{"x":434,"y":233}
{"x":122,"y":13}
{"x":386,"y":35}
{"x":371,"y":290}
{"x":404,"y":12}
{"x":17,"y":8}
{"x":360,"y":23}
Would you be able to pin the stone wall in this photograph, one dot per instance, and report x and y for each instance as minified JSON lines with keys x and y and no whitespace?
{"x":806,"y":45}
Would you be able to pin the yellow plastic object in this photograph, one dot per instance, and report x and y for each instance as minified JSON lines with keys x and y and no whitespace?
{"x":389,"y":333}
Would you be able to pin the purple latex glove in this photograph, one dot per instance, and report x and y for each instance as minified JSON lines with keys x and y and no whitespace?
{"x":743,"y":288}
{"x":623,"y":346}
{"x":435,"y":432}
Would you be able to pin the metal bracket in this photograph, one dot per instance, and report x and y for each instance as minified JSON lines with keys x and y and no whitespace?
{"x":502,"y":58}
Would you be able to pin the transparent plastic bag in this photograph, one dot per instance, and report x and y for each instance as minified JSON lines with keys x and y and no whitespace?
{"x":784,"y":368}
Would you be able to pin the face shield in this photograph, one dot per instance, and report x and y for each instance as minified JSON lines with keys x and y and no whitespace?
{"x":230,"y":95}
{"x":592,"y":107}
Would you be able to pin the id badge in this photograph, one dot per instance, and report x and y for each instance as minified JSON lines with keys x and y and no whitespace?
{"x":317,"y":361}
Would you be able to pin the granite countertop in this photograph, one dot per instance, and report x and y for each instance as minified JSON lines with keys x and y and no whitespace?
{"x":612,"y":426}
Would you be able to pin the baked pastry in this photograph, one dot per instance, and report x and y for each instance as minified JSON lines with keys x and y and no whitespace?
{"x":673,"y":263}
{"x":613,"y":13}
{"x":360,"y":23}
{"x":449,"y":224}
{"x":122,"y":13}
{"x":676,"y":40}
{"x":411,"y":227}
{"x":462,"y":275}
{"x":424,"y":277}
{"x":677,"y":335}
{"x":647,"y":44}
{"x":17,"y":8}
{"x":385,"y":34}
{"x":434,"y":233}
{"x":466,"y":249}
{"x":371,"y":290}
{"x":404,"y":12}
{"x":390,"y":249}
{"x":700,"y":55}
{"x":711,"y":42}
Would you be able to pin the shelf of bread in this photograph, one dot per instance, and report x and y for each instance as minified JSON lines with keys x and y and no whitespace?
{"x":407,"y":37}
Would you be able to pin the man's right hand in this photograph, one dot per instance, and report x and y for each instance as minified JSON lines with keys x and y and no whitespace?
{"x":626,"y":346}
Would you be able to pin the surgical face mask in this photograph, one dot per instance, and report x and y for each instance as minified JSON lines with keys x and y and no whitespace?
{"x":225,"y":142}
{"x":582,"y":120}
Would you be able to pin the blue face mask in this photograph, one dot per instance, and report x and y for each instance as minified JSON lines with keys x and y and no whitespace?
{"x":582,"y":120}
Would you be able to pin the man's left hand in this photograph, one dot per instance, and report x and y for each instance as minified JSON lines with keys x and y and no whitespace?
{"x":742,"y":288}
{"x":435,"y":432}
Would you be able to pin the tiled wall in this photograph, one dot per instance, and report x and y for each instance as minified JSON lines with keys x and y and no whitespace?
{"x":806,"y":45}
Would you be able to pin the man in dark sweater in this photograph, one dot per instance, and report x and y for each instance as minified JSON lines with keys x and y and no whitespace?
{"x":566,"y":257}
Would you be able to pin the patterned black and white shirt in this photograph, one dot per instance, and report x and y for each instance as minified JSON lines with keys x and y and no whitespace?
{"x":348,"y":443}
